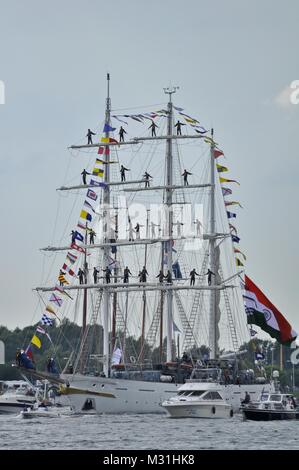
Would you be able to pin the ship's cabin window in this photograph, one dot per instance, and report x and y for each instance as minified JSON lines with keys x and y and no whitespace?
{"x":184,"y":393}
{"x":275,"y":397}
{"x":212,"y":396}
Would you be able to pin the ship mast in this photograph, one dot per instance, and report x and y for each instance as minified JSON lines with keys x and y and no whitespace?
{"x":212,"y":324}
{"x":169,"y":182}
{"x":106,"y":227}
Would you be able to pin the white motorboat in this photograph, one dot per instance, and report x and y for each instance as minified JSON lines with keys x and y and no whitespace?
{"x":16,"y":398}
{"x":46,"y":411}
{"x":195,"y":400}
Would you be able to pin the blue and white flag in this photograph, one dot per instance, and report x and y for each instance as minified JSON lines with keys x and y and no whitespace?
{"x":46,"y":320}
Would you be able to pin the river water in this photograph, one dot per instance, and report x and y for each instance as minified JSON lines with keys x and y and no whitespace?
{"x":127,"y":432}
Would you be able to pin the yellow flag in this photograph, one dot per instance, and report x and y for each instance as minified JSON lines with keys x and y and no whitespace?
{"x":36,"y":341}
{"x":105,"y":139}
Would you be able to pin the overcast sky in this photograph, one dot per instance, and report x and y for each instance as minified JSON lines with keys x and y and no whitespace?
{"x":233,"y":60}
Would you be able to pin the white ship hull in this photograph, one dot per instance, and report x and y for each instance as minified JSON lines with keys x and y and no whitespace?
{"x":140,"y":397}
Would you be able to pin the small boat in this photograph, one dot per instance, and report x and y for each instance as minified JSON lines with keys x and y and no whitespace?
{"x":16,"y":397}
{"x":46,"y":411}
{"x":273,"y":406}
{"x":195,"y":400}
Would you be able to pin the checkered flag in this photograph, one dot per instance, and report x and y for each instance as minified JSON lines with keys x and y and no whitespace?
{"x":46,"y":320}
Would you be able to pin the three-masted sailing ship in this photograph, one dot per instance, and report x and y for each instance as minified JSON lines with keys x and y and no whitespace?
{"x":167,"y":309}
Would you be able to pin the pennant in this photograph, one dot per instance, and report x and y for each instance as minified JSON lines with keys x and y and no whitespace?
{"x":226,"y":191}
{"x":36,"y":341}
{"x":98,"y":171}
{"x":62,"y":279}
{"x":236,"y":250}
{"x":49,"y":309}
{"x":56,"y":300}
{"x":39,"y":329}
{"x":78,"y":236}
{"x":72,"y":258}
{"x":232,"y":228}
{"x":239,"y":262}
{"x":45,"y":320}
{"x":224,"y":180}
{"x":85,"y":215}
{"x":62,"y":291}
{"x":218,"y":153}
{"x":28,"y":352}
{"x":203,"y":131}
{"x":233,"y":203}
{"x":82,"y":226}
{"x":103,"y":150}
{"x":108,"y":128}
{"x":231,"y":215}
{"x":235,"y":239}
{"x":87,"y":204}
{"x":92,"y":195}
{"x":120,"y":120}
{"x":260,"y":311}
{"x":77,"y":247}
{"x":97,"y":183}
{"x":178,"y":109}
{"x":191,"y":119}
{"x":113,"y":141}
{"x":221,"y":169}
{"x":68,"y":270}
{"x":209,"y":140}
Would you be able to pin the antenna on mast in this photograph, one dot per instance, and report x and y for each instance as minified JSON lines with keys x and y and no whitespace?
{"x":170,"y":90}
{"x":108,"y":91}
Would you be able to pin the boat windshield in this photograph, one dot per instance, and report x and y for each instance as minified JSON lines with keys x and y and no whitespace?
{"x":275,"y":397}
{"x":212,"y":396}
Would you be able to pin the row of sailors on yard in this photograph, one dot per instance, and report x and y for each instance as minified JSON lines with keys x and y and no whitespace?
{"x":146,"y":177}
{"x":142,"y":275}
{"x":121,"y":133}
{"x":136,"y":230}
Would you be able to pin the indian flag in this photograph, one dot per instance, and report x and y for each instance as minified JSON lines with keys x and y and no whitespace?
{"x":260,"y":311}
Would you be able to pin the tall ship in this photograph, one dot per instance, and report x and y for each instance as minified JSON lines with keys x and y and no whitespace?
{"x":153,"y":260}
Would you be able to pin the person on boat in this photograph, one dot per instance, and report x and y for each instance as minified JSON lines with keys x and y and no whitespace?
{"x":84,"y":173}
{"x":61,"y":277}
{"x":147,"y":176}
{"x":168,"y":277}
{"x":89,"y":136}
{"x":18,"y":357}
{"x":127,"y":272}
{"x":178,"y":126}
{"x":143,"y":273}
{"x":185,"y":175}
{"x":178,"y":228}
{"x":153,"y":128}
{"x":161,"y":276}
{"x":121,"y":134}
{"x":123,"y":170}
{"x":209,"y":274}
{"x":107,"y":272}
{"x":137,"y":230}
{"x":193,"y":273}
{"x":95,"y":275}
{"x":131,"y":232}
{"x":81,"y":276}
{"x":92,"y":234}
{"x":246,"y":399}
{"x":198,"y":227}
